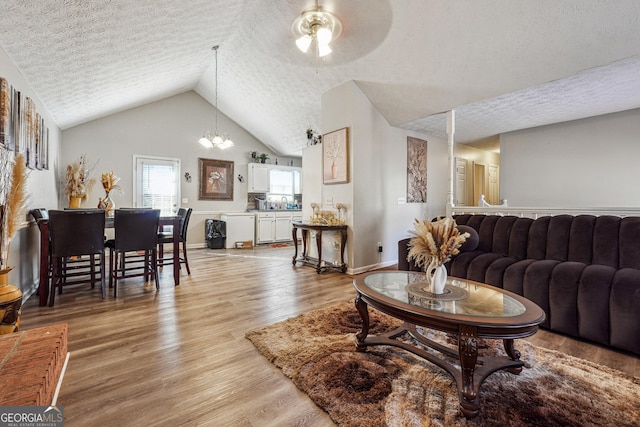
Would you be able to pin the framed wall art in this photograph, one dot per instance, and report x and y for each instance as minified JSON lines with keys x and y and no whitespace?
{"x":216,"y":179}
{"x":22,"y":128}
{"x":335,"y":162}
{"x":416,"y":170}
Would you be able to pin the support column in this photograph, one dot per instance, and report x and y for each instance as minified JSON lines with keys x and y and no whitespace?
{"x":451,"y":129}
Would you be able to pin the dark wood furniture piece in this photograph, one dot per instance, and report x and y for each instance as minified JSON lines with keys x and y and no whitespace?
{"x":43,"y":224}
{"x":133,"y":251}
{"x":319,"y":229}
{"x":165,"y":237}
{"x":76,"y":233}
{"x":469,"y":310}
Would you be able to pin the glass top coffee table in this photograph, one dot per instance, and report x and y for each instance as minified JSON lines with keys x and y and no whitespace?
{"x":468,"y":310}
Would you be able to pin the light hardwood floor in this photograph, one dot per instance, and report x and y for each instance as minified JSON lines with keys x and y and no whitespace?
{"x":178,"y":357}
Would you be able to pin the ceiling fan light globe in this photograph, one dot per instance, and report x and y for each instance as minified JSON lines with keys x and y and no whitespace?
{"x":303,"y":43}
{"x":323,"y":50}
{"x":324,"y":36}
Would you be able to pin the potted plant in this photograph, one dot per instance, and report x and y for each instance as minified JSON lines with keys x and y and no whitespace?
{"x":254,"y":156}
{"x":263,"y":157}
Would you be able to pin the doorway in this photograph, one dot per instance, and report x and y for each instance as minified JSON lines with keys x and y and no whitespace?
{"x":478,"y":182}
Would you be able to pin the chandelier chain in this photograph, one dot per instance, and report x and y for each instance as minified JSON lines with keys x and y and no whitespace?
{"x":215,"y":49}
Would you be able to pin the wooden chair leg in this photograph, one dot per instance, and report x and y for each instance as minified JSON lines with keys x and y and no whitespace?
{"x":111,"y":264}
{"x":115,"y":274}
{"x":92,"y":263}
{"x":184,"y":254}
{"x":154,"y":256}
{"x":56,"y":275}
{"x":102,"y":281}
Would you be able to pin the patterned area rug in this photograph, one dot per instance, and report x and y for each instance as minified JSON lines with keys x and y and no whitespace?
{"x":387,"y":386}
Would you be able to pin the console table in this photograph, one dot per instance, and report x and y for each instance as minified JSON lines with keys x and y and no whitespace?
{"x":317,"y":262}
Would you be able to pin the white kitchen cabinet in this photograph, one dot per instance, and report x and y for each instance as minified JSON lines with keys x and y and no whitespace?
{"x":265,"y":227}
{"x":258,"y":178}
{"x":275,"y":226}
{"x":283,"y":226}
{"x":240,"y":228}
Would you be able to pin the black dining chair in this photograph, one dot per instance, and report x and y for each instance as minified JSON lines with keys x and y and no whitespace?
{"x":133,"y":250}
{"x":76,"y":238}
{"x":165,"y":237}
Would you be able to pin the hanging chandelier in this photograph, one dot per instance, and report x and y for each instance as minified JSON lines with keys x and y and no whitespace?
{"x":316,"y":25}
{"x":210,"y":140}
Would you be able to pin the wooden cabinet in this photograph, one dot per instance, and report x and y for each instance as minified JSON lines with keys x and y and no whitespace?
{"x":265,"y":227}
{"x":283,"y":227}
{"x":275,"y":226}
{"x":258,"y":178}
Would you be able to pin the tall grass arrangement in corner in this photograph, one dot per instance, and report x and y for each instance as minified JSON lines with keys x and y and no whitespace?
{"x":13,"y":201}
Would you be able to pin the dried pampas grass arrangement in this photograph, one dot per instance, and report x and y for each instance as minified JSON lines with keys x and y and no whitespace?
{"x":435,"y":239}
{"x":13,"y":201}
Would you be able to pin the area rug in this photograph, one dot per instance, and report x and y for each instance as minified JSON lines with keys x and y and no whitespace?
{"x":387,"y":386}
{"x":279,"y":245}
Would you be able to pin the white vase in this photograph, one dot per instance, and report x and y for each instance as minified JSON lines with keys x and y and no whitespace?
{"x":436,"y":277}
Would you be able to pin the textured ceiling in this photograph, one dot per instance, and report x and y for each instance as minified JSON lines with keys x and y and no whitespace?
{"x":503,"y":65}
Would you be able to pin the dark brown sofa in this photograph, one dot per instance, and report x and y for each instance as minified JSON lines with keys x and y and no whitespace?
{"x":583,"y":271}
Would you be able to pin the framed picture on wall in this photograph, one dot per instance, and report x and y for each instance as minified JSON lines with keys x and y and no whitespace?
{"x":335,"y":162}
{"x":216,"y":179}
{"x":416,"y":170}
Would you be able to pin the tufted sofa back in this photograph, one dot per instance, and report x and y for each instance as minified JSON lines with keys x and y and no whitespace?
{"x":603,"y":240}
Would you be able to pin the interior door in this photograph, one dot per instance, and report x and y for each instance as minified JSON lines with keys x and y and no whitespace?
{"x":478,"y":182}
{"x":493,"y":190}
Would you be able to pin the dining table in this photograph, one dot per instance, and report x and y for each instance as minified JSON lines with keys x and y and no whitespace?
{"x":43,"y":224}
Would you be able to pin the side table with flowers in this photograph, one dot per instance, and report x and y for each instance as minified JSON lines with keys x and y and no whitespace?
{"x":433,"y":244}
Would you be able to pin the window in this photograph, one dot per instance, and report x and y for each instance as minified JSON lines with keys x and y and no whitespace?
{"x":157,"y":183}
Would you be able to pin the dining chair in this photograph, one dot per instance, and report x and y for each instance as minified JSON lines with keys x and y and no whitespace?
{"x":165,"y":237}
{"x":75,"y":235}
{"x":133,"y":250}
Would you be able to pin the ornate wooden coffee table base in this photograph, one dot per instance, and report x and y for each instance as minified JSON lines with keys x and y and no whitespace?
{"x":488,"y":312}
{"x":473,"y":371}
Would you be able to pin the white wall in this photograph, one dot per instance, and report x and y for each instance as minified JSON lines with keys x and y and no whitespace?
{"x":378,"y":173}
{"x":584,"y":163}
{"x":41,"y":186}
{"x":167,"y":128}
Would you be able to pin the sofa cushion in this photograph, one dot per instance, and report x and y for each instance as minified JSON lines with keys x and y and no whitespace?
{"x":471,"y":244}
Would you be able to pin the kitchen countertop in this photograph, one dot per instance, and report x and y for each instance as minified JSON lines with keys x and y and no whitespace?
{"x":274,"y":210}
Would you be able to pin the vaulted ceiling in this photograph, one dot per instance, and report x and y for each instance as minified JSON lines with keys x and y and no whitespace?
{"x":503,"y":65}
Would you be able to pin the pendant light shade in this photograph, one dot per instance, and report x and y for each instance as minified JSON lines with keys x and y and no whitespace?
{"x":210,"y":140}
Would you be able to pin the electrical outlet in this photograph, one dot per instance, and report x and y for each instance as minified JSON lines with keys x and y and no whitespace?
{"x":329,"y":201}
{"x":379,"y":246}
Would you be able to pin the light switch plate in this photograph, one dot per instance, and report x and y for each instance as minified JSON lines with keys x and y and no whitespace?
{"x":185,"y":200}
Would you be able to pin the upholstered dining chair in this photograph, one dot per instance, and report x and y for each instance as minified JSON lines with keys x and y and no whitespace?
{"x":167,"y":237}
{"x":76,"y":234}
{"x":136,"y":232}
